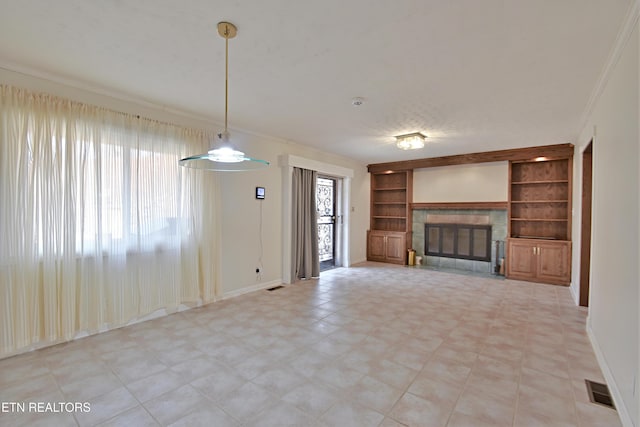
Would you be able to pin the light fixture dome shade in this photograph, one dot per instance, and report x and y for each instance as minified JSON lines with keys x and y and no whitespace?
{"x":205,"y":162}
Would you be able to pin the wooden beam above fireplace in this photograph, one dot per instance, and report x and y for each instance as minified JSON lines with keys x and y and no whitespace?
{"x":460,"y":205}
{"x":516,"y":154}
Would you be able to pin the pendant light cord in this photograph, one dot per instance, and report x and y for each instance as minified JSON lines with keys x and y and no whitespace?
{"x":226,"y":80}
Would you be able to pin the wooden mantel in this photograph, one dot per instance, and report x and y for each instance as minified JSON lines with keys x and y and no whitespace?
{"x":460,"y":205}
{"x":516,"y":154}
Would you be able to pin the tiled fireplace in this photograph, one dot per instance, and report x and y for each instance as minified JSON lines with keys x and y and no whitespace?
{"x":460,"y":239}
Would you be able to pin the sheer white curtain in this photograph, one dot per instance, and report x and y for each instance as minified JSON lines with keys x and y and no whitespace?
{"x":98,"y":223}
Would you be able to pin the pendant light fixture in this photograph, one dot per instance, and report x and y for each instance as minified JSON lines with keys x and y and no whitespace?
{"x":224,"y":157}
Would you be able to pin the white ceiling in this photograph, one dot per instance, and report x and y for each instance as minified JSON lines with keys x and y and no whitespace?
{"x":472,"y":75}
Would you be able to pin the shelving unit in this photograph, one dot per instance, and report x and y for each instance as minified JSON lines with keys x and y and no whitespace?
{"x":390,"y":225}
{"x":539,"y":244}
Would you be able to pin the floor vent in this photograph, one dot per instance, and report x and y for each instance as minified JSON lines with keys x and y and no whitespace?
{"x":275,"y":288}
{"x":599,"y":393}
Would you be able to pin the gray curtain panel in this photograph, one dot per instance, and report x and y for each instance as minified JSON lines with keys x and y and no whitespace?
{"x":305,"y":262}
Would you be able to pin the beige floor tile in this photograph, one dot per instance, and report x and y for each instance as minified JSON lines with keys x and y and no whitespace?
{"x":553,"y":407}
{"x":388,"y":422}
{"x":31,"y":389}
{"x":331,"y":346}
{"x":535,"y":419}
{"x":190,"y":370}
{"x":492,"y":367}
{"x":312,"y":398}
{"x":179,"y":354}
{"x":309,"y":362}
{"x":547,"y":363}
{"x":62,"y":358}
{"x":24,"y":417}
{"x":414,"y":411}
{"x":504,"y":351}
{"x":342,"y":350}
{"x":86,"y":388}
{"x":219,"y":384}
{"x":281,"y":414}
{"x":171,"y":406}
{"x":137,"y":417}
{"x":247,"y":401}
{"x":495,"y":411}
{"x":394,"y":374}
{"x":441,"y":393}
{"x":206,"y":417}
{"x":107,"y":406}
{"x":338,"y":376}
{"x":458,"y":419}
{"x":546,"y":383}
{"x":139,"y":369}
{"x":155,"y":385}
{"x":351,"y":414}
{"x":279,"y":381}
{"x":493,"y":386}
{"x":374,"y":394}
{"x":38,"y":420}
{"x":593,"y":415}
{"x":446,"y":371}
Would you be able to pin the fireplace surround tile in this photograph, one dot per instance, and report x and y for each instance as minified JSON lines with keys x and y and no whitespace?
{"x":497,"y":218}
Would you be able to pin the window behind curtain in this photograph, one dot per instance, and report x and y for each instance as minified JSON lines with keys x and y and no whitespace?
{"x":98,"y":223}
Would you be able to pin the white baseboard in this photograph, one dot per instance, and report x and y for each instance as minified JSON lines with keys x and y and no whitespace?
{"x":251,"y":288}
{"x":608,"y":376}
{"x":574,"y":294}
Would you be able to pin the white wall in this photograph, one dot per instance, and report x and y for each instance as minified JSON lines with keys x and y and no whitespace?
{"x":239,"y":210}
{"x":480,"y":182}
{"x":613,"y":312}
{"x":240,"y":246}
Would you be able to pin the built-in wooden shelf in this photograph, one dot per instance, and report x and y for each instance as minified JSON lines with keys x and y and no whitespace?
{"x":389,"y":203}
{"x":539,"y":243}
{"x":390,"y":189}
{"x":540,"y":219}
{"x":539,"y":201}
{"x":460,"y":205}
{"x":548,"y":181}
{"x":389,"y":235}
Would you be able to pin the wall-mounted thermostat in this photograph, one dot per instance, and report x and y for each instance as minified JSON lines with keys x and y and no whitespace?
{"x":259,"y":192}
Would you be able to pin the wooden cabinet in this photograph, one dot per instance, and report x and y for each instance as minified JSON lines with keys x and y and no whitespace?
{"x":539,"y":243}
{"x":387,"y":246}
{"x":539,"y":260}
{"x":390,"y":225}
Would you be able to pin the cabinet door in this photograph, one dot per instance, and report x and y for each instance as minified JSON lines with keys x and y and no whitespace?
{"x":396,"y":248}
{"x":521,"y":260}
{"x":554,"y":262}
{"x":376,"y":246}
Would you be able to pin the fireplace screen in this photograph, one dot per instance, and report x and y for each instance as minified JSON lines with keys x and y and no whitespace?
{"x":464,"y":241}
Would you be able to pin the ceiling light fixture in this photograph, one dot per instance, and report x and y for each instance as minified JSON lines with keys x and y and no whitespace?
{"x":224,"y":157}
{"x":410,"y":141}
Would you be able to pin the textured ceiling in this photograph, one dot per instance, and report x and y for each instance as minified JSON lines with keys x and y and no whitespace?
{"x":472,"y":75}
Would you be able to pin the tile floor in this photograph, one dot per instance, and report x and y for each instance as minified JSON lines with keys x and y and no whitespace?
{"x":372,"y":345}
